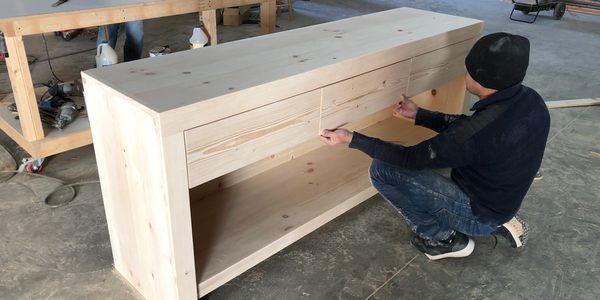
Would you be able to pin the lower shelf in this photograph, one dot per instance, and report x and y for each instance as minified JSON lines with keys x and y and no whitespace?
{"x":75,"y":135}
{"x":240,"y":226}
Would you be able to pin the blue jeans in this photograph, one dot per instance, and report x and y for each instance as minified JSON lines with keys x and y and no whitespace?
{"x":134,"y":38}
{"x":432,"y":205}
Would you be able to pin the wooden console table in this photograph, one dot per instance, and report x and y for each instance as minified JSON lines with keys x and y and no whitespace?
{"x":210,"y":160}
{"x":26,"y":17}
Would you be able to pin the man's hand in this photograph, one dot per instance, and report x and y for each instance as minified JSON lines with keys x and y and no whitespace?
{"x":336,"y":136}
{"x":405,"y":108}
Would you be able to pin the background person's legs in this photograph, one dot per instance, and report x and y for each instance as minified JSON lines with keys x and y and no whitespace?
{"x":134,"y":41}
{"x":432,"y":205}
{"x":113,"y":33}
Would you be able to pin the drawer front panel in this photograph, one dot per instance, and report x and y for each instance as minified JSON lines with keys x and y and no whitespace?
{"x":226,"y":145}
{"x":356,"y":98}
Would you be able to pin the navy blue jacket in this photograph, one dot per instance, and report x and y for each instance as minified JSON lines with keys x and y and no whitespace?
{"x":494,"y":154}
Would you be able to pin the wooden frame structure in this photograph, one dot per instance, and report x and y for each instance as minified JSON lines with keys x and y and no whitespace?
{"x":28,"y":131}
{"x":207,"y":171}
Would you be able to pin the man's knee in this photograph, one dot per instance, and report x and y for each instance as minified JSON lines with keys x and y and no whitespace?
{"x":382,"y":173}
{"x":375,"y":171}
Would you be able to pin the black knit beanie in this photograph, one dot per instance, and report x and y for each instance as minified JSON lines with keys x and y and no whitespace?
{"x":498,"y":60}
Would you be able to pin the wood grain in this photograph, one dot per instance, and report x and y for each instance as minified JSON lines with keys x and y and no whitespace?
{"x":353,"y":99}
{"x":20,"y":80}
{"x":209,"y":19}
{"x":139,"y":172}
{"x":103,"y":13}
{"x":438,"y":67}
{"x":229,"y":144}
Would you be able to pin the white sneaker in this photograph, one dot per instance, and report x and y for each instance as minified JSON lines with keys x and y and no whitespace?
{"x":515,"y":231}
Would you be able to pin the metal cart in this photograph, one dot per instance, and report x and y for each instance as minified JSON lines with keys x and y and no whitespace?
{"x":535,"y":6}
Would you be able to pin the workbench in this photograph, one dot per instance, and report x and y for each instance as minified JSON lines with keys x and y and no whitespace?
{"x":27,"y":17}
{"x":213,"y":162}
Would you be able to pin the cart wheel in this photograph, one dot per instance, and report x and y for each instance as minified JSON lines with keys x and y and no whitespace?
{"x":67,"y":36}
{"x":31,"y":168}
{"x":559,"y":10}
{"x":31,"y":165}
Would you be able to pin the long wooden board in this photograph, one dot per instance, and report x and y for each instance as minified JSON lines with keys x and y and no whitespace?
{"x":573,"y":103}
{"x":25,"y":18}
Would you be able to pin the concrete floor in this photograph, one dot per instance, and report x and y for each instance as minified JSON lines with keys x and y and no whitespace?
{"x":64,"y":253}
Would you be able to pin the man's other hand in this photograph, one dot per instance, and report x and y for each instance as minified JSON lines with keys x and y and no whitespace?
{"x":405,"y":108}
{"x":336,"y":136}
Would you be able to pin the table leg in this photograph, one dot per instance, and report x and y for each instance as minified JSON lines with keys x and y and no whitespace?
{"x":268,"y":16}
{"x":209,"y":18}
{"x":22,"y":86}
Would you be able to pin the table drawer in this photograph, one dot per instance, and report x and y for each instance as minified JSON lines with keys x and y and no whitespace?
{"x":355,"y":98}
{"x":226,"y":145}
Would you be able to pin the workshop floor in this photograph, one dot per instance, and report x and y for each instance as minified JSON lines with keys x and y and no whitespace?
{"x":64,"y":253}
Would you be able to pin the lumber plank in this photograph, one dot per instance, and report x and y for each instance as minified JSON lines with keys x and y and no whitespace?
{"x":268,"y":10}
{"x":20,"y":80}
{"x":573,"y":103}
{"x":209,"y":19}
{"x":34,"y":19}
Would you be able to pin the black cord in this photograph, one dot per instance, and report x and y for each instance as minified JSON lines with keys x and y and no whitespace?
{"x":49,"y":63}
{"x":61,"y":56}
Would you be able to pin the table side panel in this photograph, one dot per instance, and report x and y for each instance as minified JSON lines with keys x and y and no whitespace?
{"x":134,"y":165}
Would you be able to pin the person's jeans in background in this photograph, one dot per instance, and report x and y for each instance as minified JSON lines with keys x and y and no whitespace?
{"x":134,"y":38}
{"x":432,"y":205}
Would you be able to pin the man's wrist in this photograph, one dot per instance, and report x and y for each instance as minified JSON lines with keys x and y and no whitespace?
{"x":349,"y":137}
